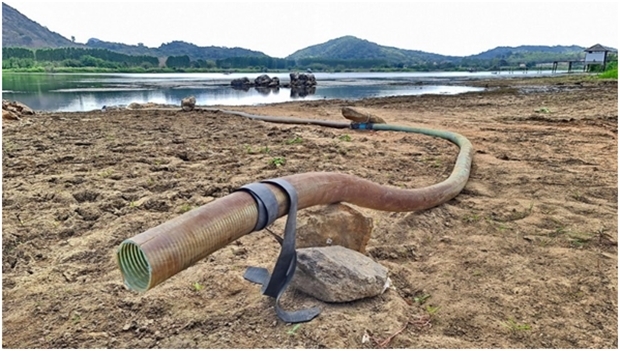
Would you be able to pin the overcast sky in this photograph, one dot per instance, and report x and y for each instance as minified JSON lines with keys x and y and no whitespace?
{"x":280,"y":28}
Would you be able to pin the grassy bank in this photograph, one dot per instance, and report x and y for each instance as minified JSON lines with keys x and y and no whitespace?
{"x":126,"y":70}
{"x":611,"y":72}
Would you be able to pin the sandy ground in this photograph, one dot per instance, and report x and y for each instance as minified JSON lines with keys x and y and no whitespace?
{"x":524,"y":257}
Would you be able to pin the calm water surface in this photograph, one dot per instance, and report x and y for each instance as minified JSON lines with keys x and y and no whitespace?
{"x":84,"y":92}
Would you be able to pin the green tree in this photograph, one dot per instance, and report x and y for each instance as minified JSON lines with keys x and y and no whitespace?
{"x":178,"y":62}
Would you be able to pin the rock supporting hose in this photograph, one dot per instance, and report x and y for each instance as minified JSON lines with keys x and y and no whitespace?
{"x":157,"y":254}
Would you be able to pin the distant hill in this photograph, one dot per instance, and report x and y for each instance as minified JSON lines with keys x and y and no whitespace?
{"x":175,"y":48}
{"x":205,"y":52}
{"x":502,"y":51}
{"x":19,"y":31}
{"x":95,"y":43}
{"x":525,"y":53}
{"x":352,"y":48}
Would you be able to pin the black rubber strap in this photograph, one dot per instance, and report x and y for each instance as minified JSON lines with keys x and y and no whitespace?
{"x":266,"y":204}
{"x":283,"y":272}
{"x":288,"y":255}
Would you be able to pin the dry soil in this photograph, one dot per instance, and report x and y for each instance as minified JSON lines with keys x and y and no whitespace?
{"x":525,"y":257}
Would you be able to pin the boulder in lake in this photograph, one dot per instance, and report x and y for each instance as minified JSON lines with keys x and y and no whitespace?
{"x":262,"y":81}
{"x":302,"y":79}
{"x":241,"y":82}
{"x":275,"y":82}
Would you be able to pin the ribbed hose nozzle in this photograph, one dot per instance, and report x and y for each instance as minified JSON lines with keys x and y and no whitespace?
{"x":134,"y":266}
{"x":157,"y":254}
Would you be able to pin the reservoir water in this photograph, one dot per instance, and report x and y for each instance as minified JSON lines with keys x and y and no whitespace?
{"x":85,"y":92}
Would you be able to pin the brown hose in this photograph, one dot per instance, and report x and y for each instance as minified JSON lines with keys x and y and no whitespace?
{"x":153,"y":256}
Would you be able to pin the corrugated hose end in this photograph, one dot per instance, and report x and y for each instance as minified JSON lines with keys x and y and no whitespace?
{"x":134,"y":266}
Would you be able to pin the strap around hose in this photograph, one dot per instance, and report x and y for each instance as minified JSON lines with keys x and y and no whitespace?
{"x":283,"y":272}
{"x":266,"y":204}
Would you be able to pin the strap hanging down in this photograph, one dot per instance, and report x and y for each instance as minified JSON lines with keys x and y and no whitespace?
{"x":284,"y":269}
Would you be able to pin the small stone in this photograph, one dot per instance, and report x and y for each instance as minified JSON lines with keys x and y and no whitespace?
{"x":126,"y":327}
{"x":445,"y":239}
{"x":338,"y":274}
{"x":239,"y":251}
{"x":188,"y":103}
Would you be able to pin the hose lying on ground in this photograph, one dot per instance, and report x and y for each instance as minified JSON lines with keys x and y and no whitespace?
{"x":157,"y":254}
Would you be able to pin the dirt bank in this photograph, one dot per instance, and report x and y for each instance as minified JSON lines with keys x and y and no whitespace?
{"x":525,"y":257}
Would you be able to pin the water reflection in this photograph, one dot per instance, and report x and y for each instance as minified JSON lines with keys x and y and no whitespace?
{"x":266,"y":91}
{"x":90,"y":99}
{"x":295,"y":92}
{"x":79,"y":92}
{"x":302,"y":91}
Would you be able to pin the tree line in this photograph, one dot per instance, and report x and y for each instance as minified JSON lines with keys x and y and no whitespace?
{"x":73,"y":57}
{"x":49,"y":59}
{"x":78,"y":57}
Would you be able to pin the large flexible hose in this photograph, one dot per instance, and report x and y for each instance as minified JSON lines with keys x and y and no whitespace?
{"x":157,"y":254}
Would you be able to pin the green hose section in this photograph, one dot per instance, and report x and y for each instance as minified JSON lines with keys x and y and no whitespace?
{"x":462,"y":166}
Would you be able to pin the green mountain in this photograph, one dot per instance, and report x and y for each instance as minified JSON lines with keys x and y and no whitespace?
{"x":531,"y":53}
{"x":94,"y":43}
{"x":352,"y":48}
{"x":506,"y":51}
{"x":19,"y":31}
{"x":175,"y":48}
{"x":205,"y":52}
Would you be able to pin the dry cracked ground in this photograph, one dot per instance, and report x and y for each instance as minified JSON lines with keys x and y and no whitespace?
{"x":525,"y":257}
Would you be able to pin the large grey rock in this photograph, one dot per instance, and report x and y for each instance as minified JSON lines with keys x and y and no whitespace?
{"x":332,"y":225}
{"x":337,"y":274}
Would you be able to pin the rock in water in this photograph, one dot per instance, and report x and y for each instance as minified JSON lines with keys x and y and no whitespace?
{"x":337,"y":274}
{"x":241,"y":82}
{"x":302,"y":79}
{"x":262,"y":81}
{"x":336,"y":224}
{"x":188,"y":103}
{"x":275,"y":82}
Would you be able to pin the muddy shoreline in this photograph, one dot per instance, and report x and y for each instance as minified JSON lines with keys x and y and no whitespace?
{"x":525,"y":257}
